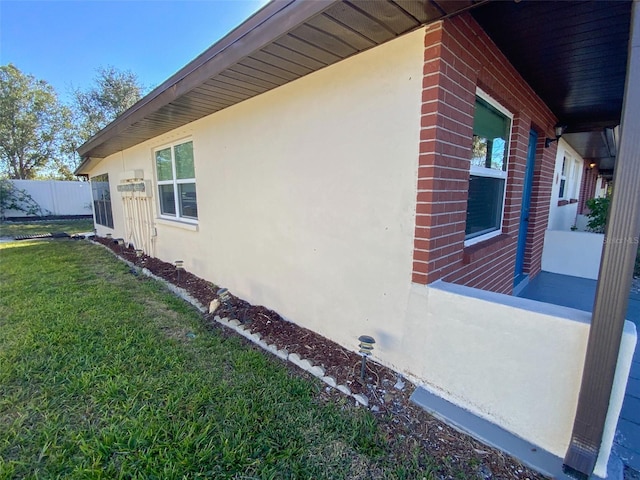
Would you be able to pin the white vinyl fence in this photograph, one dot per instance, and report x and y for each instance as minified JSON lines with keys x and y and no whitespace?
{"x":55,"y":197}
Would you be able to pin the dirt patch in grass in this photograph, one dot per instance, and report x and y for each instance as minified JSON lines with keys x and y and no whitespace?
{"x":458,"y":455}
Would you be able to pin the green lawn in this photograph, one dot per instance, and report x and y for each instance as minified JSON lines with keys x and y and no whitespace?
{"x":104,"y":374}
{"x":14,"y":229}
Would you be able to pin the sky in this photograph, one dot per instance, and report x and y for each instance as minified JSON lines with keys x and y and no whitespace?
{"x":65,"y":42}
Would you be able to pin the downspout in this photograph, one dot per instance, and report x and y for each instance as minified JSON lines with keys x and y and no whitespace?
{"x":614,"y":281}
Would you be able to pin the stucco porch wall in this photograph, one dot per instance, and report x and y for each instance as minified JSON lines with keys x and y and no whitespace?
{"x":572,"y":253}
{"x":516,"y":362}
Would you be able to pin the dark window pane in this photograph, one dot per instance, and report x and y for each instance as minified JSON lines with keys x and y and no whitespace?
{"x":490,"y":134}
{"x":108,"y":216}
{"x":167,"y":200}
{"x":484,"y":206}
{"x":102,"y":200}
{"x":188,"y":203}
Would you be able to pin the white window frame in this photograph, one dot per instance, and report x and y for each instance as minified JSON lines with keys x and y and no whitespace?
{"x":576,"y":171}
{"x":566,"y":165}
{"x":174,"y":181}
{"x":570,"y":174}
{"x":491,"y":172}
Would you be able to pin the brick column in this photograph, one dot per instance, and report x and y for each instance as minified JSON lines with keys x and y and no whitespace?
{"x":587,"y":188}
{"x":448,"y":101}
{"x":459,"y":58}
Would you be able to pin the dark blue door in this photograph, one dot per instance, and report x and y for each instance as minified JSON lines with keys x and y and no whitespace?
{"x":524,"y":214}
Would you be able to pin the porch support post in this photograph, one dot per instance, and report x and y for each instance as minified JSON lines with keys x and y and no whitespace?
{"x":614,"y":282}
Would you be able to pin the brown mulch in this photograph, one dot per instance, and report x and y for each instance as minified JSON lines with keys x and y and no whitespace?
{"x":387,"y":391}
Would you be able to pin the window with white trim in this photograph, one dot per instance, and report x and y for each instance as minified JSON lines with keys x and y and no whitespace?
{"x":488,"y":172}
{"x":569,"y":177}
{"x":176,"y":178}
{"x":102,"y":200}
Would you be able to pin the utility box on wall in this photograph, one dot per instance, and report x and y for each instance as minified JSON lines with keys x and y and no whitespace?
{"x":136,"y":189}
{"x":132,"y":176}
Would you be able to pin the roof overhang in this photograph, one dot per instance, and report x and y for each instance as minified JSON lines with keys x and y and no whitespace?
{"x":86,"y":165}
{"x":282,"y":42}
{"x":573,"y":54}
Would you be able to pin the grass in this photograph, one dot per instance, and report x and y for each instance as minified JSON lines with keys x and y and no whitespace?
{"x":104,"y":374}
{"x":14,"y":229}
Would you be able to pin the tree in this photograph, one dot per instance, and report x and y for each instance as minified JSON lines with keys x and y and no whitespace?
{"x":112,"y":93}
{"x":32,"y":122}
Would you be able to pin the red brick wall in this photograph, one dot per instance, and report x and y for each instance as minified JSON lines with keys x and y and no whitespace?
{"x":587,"y":188}
{"x":459,"y":57}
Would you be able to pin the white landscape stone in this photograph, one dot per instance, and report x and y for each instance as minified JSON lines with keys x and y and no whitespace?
{"x":260,"y":343}
{"x":344,"y":389}
{"x":306,"y":365}
{"x":294,"y":358}
{"x":361,"y":399}
{"x":317,"y":370}
{"x":329,"y":381}
{"x":278,"y":353}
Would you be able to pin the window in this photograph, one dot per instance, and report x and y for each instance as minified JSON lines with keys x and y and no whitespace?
{"x":569,"y":177}
{"x":563,"y":178}
{"x":177,"y":181}
{"x":488,"y":172}
{"x":102,"y":200}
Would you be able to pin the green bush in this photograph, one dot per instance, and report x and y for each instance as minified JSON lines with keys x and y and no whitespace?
{"x":598,"y":210}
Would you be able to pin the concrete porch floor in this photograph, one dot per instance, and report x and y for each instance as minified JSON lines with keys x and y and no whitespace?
{"x":579,"y":293}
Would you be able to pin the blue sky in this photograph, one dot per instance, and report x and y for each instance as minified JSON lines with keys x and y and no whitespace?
{"x":64,"y":42}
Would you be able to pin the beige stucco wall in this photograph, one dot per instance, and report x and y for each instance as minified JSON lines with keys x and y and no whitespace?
{"x":513,"y":361}
{"x":306,"y":199}
{"x":306,"y":194}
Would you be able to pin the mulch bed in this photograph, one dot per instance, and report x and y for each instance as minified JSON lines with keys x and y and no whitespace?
{"x":388,"y":393}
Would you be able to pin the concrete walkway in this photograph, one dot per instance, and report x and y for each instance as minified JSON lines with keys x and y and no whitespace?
{"x":579,"y":293}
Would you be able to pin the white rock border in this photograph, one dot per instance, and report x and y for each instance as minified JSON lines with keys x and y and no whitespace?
{"x":180,"y":292}
{"x":306,"y":365}
{"x":256,"y":338}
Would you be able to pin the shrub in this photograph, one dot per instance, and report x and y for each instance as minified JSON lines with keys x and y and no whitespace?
{"x":598,"y":210}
